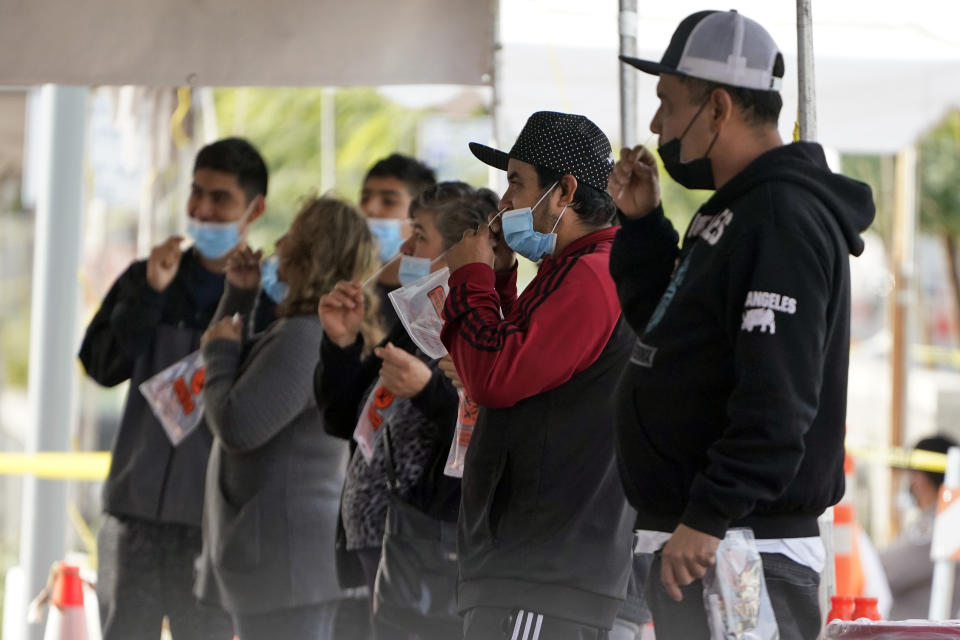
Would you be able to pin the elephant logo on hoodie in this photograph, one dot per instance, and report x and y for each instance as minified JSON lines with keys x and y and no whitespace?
{"x":762,"y":318}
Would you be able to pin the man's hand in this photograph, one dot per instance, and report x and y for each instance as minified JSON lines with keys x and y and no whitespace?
{"x":226,"y":329}
{"x":403,"y":375}
{"x":474,"y":247}
{"x":504,"y":257}
{"x":685,"y":558}
{"x":163,"y":263}
{"x":341,"y":313}
{"x":448,"y":369}
{"x":243,"y":267}
{"x":635,"y":182}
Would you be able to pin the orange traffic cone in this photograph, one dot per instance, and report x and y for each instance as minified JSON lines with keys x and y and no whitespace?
{"x":66,"y":619}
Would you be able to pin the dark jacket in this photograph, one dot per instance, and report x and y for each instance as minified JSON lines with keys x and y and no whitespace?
{"x":274,"y":478}
{"x":544,"y":524}
{"x":341,"y":380}
{"x":731,"y":411}
{"x":136,"y":333}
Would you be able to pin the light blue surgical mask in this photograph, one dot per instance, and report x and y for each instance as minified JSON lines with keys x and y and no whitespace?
{"x":413,"y":269}
{"x":214,"y":239}
{"x":269,"y":280}
{"x":389,"y":235}
{"x":520,"y":236}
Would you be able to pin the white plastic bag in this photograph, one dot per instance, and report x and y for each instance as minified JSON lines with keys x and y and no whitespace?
{"x":377,"y":409}
{"x":176,"y":396}
{"x":419,"y":306}
{"x":735,"y":594}
{"x":466,"y":419}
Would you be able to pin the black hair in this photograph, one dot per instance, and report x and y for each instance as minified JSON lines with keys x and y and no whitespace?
{"x":939,"y":444}
{"x":594,"y":208}
{"x":411,"y":172}
{"x":240,"y":158}
{"x":759,"y":107}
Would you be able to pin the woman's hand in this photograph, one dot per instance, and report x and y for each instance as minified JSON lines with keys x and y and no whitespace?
{"x":341,"y":313}
{"x":243,"y":267}
{"x":403,"y":374}
{"x":226,"y":329}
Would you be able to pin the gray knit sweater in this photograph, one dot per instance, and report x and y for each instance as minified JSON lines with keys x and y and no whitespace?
{"x":274,"y":477}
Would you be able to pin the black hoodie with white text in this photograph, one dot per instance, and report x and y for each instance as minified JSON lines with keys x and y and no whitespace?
{"x":731,"y":410}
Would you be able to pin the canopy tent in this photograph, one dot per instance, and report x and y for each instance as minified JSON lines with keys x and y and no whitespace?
{"x":246,"y":42}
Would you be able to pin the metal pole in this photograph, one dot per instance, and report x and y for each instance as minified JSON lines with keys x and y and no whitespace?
{"x":807,"y":95}
{"x":53,"y":339}
{"x":628,"y":75}
{"x":944,"y":570}
{"x":328,"y":140}
{"x":807,"y":131}
{"x":904,"y":231}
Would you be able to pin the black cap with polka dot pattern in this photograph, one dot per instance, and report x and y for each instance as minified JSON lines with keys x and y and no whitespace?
{"x":564,"y":142}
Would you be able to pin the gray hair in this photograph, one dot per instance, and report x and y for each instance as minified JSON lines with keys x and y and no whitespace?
{"x":457,"y":207}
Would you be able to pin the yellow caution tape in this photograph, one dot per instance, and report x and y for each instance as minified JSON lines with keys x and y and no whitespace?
{"x":902,"y":458}
{"x":57,"y":465}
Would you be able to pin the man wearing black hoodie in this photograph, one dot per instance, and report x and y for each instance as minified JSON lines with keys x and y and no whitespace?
{"x":731,"y":409}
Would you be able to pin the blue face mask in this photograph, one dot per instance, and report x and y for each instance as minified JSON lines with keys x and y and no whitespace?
{"x":520,"y":236}
{"x":268,"y":280}
{"x":389,"y":235}
{"x":413,"y":269}
{"x":214,"y":239}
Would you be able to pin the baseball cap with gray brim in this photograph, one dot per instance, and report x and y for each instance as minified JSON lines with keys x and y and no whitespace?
{"x":723,"y":47}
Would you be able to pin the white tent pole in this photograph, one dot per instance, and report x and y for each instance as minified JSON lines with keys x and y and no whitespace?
{"x":628,"y":75}
{"x":53,"y":339}
{"x":328,"y":140}
{"x":494,"y":179}
{"x":941,"y":591}
{"x":807,"y":96}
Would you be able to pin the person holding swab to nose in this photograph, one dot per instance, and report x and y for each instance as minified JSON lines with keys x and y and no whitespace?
{"x":393,"y":384}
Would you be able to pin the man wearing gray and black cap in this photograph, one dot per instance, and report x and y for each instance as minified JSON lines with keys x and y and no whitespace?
{"x":731,"y":409}
{"x":545,"y":532}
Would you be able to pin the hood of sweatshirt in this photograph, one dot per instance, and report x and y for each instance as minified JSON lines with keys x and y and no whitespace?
{"x":804,"y":163}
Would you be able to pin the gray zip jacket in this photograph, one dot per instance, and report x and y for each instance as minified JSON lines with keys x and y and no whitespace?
{"x":274,"y":477}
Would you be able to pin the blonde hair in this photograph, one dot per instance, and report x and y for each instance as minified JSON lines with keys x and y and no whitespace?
{"x":329,"y":241}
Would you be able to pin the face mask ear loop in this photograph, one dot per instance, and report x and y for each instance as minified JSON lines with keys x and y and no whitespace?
{"x":543,"y":197}
{"x":694,"y":119}
{"x":440,"y":257}
{"x":712,"y":142}
{"x":557,"y":223}
{"x":246,"y":214}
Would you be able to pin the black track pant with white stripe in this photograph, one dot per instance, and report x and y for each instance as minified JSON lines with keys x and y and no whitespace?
{"x":491,"y":623}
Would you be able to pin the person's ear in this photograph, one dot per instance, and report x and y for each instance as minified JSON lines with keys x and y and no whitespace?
{"x":568,"y":187}
{"x":721,"y":109}
{"x":256,"y":211}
